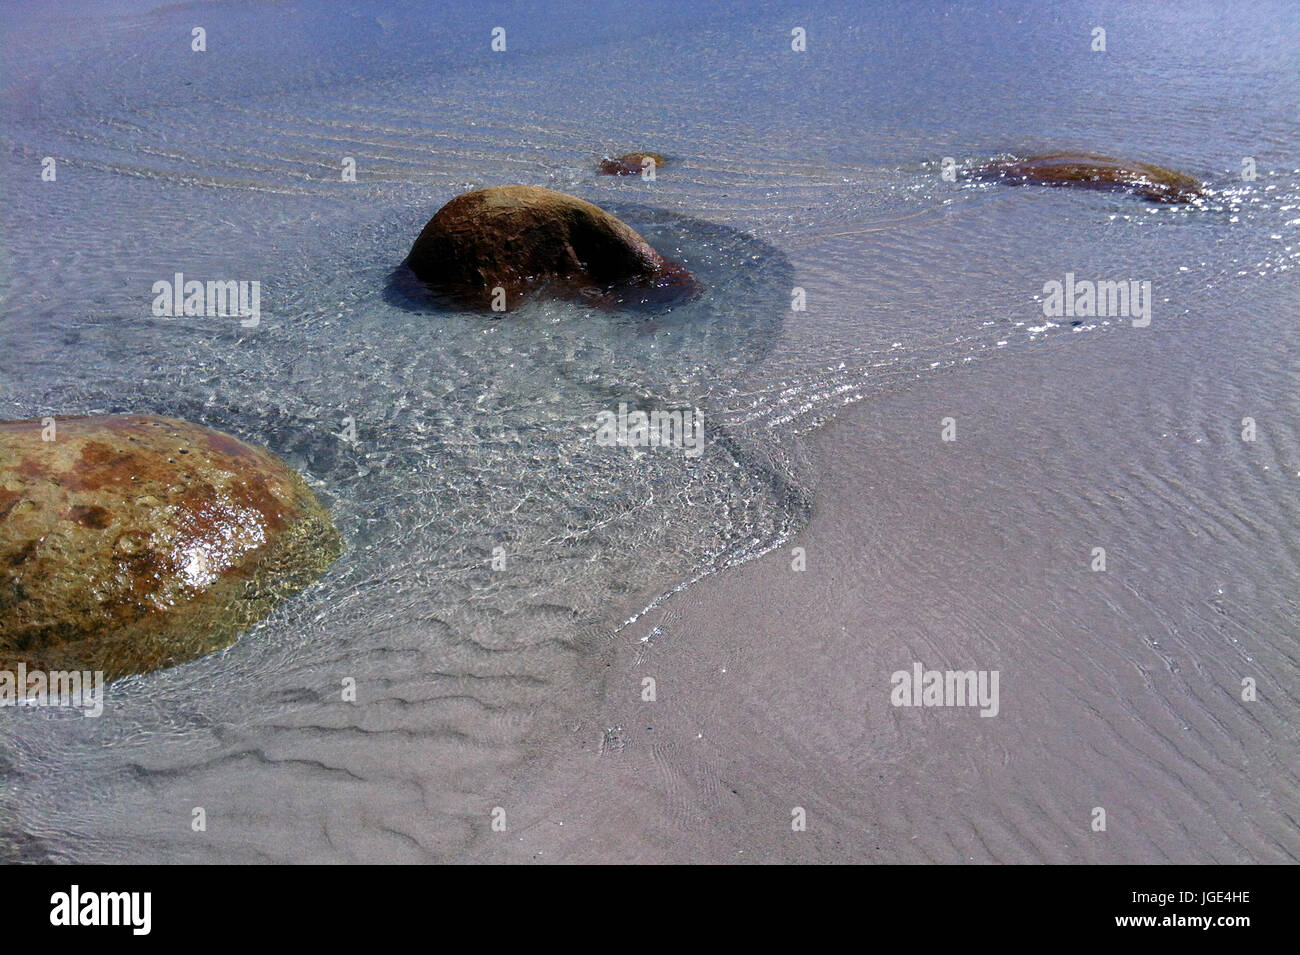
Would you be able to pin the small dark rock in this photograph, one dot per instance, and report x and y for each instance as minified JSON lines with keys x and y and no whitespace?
{"x":631,"y":164}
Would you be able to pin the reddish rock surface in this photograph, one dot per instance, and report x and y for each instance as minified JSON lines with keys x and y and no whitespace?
{"x":132,"y":542}
{"x":632,"y":164}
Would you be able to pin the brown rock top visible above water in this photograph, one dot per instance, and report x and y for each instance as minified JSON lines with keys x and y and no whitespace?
{"x":1097,"y":172}
{"x":631,"y":164}
{"x":526,"y":238}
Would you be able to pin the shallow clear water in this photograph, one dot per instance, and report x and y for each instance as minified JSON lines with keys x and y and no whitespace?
{"x":818,"y":169}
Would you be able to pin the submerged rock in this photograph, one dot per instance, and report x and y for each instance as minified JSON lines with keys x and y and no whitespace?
{"x":1097,"y":172}
{"x":631,"y":164}
{"x":525,"y":238}
{"x":131,"y":542}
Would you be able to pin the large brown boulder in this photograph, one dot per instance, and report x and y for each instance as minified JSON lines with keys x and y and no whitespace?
{"x":131,"y":542}
{"x":1097,"y":172}
{"x":525,"y":238}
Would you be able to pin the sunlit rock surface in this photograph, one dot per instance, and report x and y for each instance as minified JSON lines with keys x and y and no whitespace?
{"x":1097,"y":172}
{"x":521,"y":239}
{"x":130,"y":542}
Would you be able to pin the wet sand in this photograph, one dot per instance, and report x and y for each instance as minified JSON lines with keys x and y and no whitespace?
{"x":1118,"y":689}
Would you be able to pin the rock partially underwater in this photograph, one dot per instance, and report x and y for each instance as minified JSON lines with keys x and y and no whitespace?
{"x":131,"y":542}
{"x":1087,"y":171}
{"x":631,"y":164}
{"x":525,"y":239}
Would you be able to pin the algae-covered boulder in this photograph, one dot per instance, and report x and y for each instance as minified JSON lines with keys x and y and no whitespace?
{"x":520,"y":239}
{"x":131,"y":542}
{"x":630,"y":164}
{"x":1096,"y":172}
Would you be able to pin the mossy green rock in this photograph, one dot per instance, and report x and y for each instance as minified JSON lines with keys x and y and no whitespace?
{"x":1097,"y":172}
{"x":131,"y":542}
